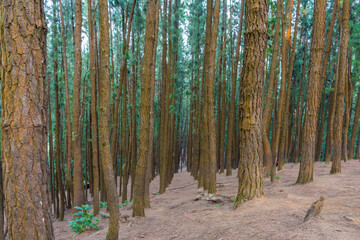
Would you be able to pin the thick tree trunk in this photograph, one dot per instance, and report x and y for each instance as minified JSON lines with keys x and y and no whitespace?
{"x":308,"y":137}
{"x":24,"y":136}
{"x":148,"y":62}
{"x":251,"y":101}
{"x":79,"y":198}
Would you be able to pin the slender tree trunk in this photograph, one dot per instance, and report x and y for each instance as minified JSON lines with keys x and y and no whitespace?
{"x":267,"y":113}
{"x":67,"y":108}
{"x":94,"y":124}
{"x":276,"y":135}
{"x":354,"y":127}
{"x":340,"y":91}
{"x":232,"y":113}
{"x":104,"y":108}
{"x":163,"y":100}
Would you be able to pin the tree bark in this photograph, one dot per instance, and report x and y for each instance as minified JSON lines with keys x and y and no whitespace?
{"x":340,"y":91}
{"x":24,"y":124}
{"x":104,"y":111}
{"x":251,"y":101}
{"x":313,"y":90}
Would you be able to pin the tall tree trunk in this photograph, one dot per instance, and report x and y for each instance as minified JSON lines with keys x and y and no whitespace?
{"x":76,"y":138}
{"x":59,"y":182}
{"x":354,"y":127}
{"x":23,"y":129}
{"x":232,"y":113}
{"x":163,"y":100}
{"x":275,"y":141}
{"x":208,"y":134}
{"x":270,"y":97}
{"x":94,"y":118}
{"x":340,"y":91}
{"x":104,"y":108}
{"x":150,"y":160}
{"x":313,"y":90}
{"x":67,"y":108}
{"x":348,"y":100}
{"x":148,"y":62}
{"x":251,"y":101}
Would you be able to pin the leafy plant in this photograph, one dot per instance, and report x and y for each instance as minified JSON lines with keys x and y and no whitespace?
{"x":102,"y":204}
{"x":85,"y":220}
{"x":277,"y":177}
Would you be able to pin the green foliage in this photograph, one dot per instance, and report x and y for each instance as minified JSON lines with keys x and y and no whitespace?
{"x":102,"y":204}
{"x":85,"y":220}
{"x":277,"y":177}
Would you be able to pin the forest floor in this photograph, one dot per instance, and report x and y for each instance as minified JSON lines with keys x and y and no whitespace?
{"x":278,"y":215}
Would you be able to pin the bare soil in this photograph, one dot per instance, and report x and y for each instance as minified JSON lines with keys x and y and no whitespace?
{"x":278,"y":215}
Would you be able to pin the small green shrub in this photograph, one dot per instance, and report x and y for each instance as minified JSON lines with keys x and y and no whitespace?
{"x":85,"y":220}
{"x":277,"y":177}
{"x":102,"y":204}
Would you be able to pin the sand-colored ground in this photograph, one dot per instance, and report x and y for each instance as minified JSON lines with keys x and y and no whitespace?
{"x":278,"y":215}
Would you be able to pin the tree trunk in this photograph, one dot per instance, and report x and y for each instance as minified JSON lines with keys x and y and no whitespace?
{"x":267,"y":113}
{"x":67,"y":108}
{"x":24,"y":136}
{"x":313,"y":90}
{"x":148,"y":62}
{"x":104,"y":108}
{"x":251,"y":101}
{"x":340,"y":91}
{"x":232,"y":113}
{"x":94,"y":118}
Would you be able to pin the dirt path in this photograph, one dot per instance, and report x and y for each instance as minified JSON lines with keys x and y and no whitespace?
{"x":278,"y":215}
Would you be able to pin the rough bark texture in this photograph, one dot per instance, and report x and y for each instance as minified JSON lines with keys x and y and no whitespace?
{"x":251,"y":101}
{"x":148,"y":62}
{"x":24,"y":136}
{"x":104,"y":111}
{"x":313,"y":90}
{"x":340,"y":91}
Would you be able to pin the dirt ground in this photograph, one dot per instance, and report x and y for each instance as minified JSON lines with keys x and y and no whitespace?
{"x":278,"y":215}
